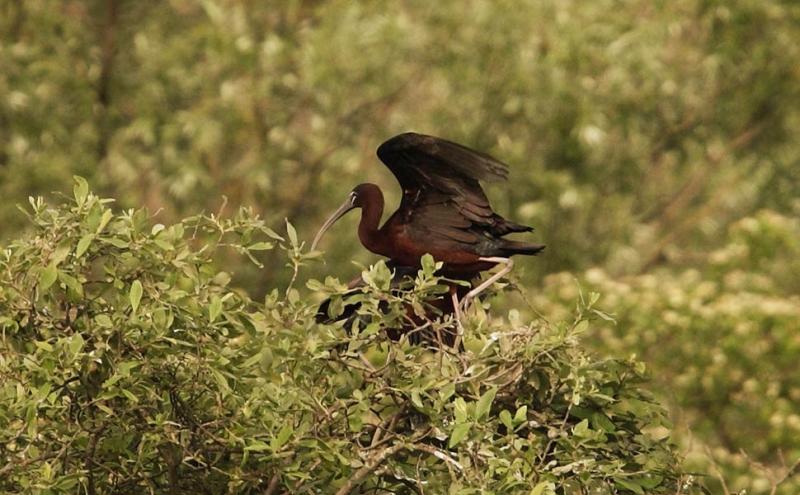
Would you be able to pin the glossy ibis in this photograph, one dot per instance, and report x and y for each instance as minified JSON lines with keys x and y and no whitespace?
{"x":443,"y":211}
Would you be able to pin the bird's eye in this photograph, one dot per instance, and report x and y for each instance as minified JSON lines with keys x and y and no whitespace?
{"x":353,"y":197}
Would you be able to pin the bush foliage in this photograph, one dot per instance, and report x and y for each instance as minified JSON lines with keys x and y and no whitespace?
{"x":129,"y":365}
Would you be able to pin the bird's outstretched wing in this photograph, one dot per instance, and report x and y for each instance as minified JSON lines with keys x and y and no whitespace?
{"x":442,"y":195}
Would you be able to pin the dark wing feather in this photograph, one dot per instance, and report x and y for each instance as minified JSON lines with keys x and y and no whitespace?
{"x":460,"y":160}
{"x":442,"y":195}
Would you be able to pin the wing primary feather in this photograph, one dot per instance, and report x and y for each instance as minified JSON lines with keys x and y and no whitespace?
{"x":467,"y":162}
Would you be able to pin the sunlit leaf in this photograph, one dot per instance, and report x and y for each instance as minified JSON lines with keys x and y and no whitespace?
{"x":83,"y":245}
{"x":460,"y":431}
{"x":80,"y":190}
{"x":484,"y":404}
{"x":47,"y":276}
{"x":135,"y":295}
{"x":214,"y":309}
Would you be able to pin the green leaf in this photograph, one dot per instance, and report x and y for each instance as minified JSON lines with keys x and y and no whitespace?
{"x":460,"y":410}
{"x":76,"y":344}
{"x":103,"y":321}
{"x":604,"y":315}
{"x":66,"y":483}
{"x":47,"y":276}
{"x":428,"y":264}
{"x":459,"y":432}
{"x":221,"y":380}
{"x":215,"y":308}
{"x":43,"y":391}
{"x":111,"y":381}
{"x":447,"y":391}
{"x":130,"y":395}
{"x":416,"y":400}
{"x":80,"y":190}
{"x":45,"y":346}
{"x":31,"y":414}
{"x":631,"y":485}
{"x":650,"y":481}
{"x":601,"y":421}
{"x":544,"y":488}
{"x":272,"y":234}
{"x":118,"y":243}
{"x":110,"y":412}
{"x":581,"y":429}
{"x":252,"y":360}
{"x":83,"y":245}
{"x":505,"y":418}
{"x":257,"y":446}
{"x":378,"y":276}
{"x":71,"y":283}
{"x":261,"y":246}
{"x":135,"y":295}
{"x":521,"y":415}
{"x":280,"y":439}
{"x":485,"y":403}
{"x":292,"y":233}
{"x":581,"y":326}
{"x":107,"y":216}
{"x":126,"y":366}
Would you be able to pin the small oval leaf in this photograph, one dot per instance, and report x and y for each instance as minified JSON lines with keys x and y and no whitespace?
{"x":83,"y":245}
{"x":215,"y":308}
{"x":47,"y":276}
{"x":81,"y":190}
{"x":136,"y":295}
{"x":458,"y":434}
{"x":485,"y":403}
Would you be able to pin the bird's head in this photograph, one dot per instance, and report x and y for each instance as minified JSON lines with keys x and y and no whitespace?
{"x":357,"y":198}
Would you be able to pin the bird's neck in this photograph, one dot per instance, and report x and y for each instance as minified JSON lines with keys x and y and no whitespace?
{"x":368,"y":230}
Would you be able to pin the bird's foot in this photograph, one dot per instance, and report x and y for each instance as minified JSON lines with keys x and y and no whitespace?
{"x":463,"y":306}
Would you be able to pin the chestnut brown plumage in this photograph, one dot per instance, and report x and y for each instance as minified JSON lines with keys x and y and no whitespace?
{"x":443,"y":211}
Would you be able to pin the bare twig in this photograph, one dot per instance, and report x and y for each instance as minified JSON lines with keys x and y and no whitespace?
{"x":717,"y":472}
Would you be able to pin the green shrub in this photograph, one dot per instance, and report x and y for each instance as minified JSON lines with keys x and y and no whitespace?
{"x":129,"y":365}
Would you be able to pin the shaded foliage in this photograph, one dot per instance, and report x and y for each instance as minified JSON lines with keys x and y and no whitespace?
{"x":128,"y":364}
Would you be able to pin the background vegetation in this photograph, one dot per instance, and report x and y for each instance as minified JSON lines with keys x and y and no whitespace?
{"x":651,"y":144}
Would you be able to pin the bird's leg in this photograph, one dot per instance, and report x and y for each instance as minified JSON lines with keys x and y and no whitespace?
{"x":457,"y":311}
{"x":508,"y":265}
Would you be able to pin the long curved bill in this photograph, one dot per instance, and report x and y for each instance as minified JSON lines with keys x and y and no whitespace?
{"x":339,"y":213}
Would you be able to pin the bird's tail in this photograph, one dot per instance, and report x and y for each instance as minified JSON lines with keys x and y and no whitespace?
{"x":515,"y":247}
{"x":503,"y":227}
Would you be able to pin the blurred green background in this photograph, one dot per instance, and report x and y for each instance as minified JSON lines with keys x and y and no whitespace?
{"x":652,"y":144}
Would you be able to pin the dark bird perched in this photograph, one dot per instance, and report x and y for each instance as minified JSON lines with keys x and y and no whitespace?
{"x":443,"y":211}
